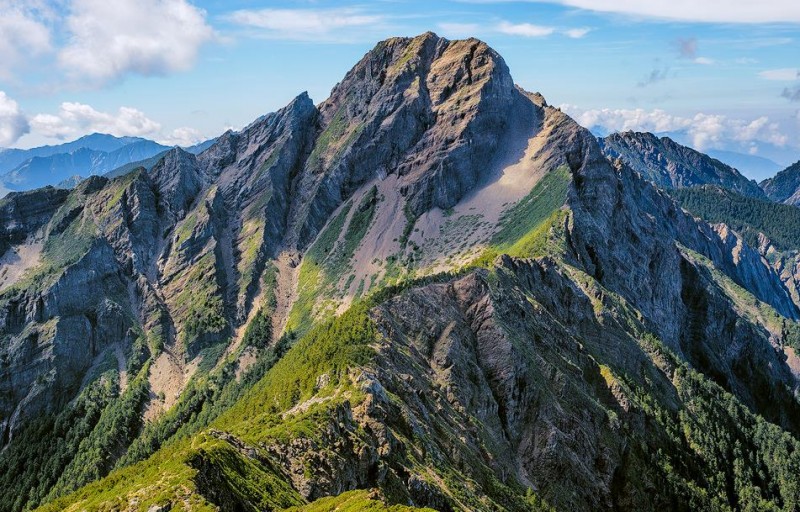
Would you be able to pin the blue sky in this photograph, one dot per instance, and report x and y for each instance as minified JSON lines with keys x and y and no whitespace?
{"x":719,"y":74}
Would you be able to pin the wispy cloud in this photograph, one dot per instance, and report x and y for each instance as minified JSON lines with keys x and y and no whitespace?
{"x":791,"y":93}
{"x":705,"y":11}
{"x":783,"y":74}
{"x":687,"y":49}
{"x":577,"y":33}
{"x":524,"y":29}
{"x":335,"y":24}
{"x":655,"y":76}
{"x":183,"y":137}
{"x":76,"y":119}
{"x":23,"y":34}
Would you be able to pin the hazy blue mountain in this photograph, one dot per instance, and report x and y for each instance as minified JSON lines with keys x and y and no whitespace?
{"x":40,"y":171}
{"x":754,"y":167}
{"x":200,"y":146}
{"x":90,"y":155}
{"x":12,"y":158}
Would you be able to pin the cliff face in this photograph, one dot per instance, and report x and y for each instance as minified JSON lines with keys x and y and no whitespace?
{"x":783,"y":187}
{"x":470,"y":307}
{"x":670,"y":165}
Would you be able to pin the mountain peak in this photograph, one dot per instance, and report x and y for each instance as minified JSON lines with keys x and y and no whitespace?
{"x":419,"y":108}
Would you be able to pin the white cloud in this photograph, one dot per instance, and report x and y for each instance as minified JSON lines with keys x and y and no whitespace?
{"x":76,"y":119}
{"x":703,"y":130}
{"x":577,"y":33}
{"x":459,"y":29}
{"x":22,"y":34}
{"x":704,"y":61}
{"x":183,"y":137}
{"x":306,"y":24}
{"x":463,"y":30}
{"x":783,"y":74}
{"x":147,"y":37}
{"x":524,"y":29}
{"x":709,"y":11}
{"x":13,"y":123}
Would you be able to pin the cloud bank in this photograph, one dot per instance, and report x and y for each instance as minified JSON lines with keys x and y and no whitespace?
{"x":13,"y":123}
{"x":147,"y":37}
{"x":703,"y":130}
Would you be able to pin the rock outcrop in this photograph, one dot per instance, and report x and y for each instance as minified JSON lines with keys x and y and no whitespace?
{"x":671,"y":165}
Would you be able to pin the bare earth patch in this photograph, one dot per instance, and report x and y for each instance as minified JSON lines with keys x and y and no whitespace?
{"x":167,"y":377}
{"x":16,"y":261}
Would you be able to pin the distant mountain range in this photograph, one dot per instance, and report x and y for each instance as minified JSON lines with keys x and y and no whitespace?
{"x":60,"y":165}
{"x":752,"y":166}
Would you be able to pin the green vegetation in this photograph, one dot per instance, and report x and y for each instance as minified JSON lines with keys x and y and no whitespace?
{"x":171,"y":477}
{"x":259,"y":331}
{"x":30,"y":468}
{"x":547,"y":196}
{"x":715,"y":454}
{"x":747,"y":305}
{"x":533,"y":226}
{"x":354,"y":501}
{"x":747,"y":215}
{"x":330,"y":348}
{"x":328,"y":260}
{"x":185,"y":229}
{"x":204,"y":399}
{"x":330,"y":136}
{"x":311,"y":277}
{"x":178,"y":472}
{"x":200,"y":308}
{"x":118,"y":425}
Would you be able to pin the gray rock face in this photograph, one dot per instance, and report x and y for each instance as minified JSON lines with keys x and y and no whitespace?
{"x":784,"y":187}
{"x":24,"y":213}
{"x":509,"y":380}
{"x":51,"y":337}
{"x":431,"y":110}
{"x":668,"y":164}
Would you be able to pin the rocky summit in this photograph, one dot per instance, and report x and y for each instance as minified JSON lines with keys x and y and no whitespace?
{"x":431,"y":291}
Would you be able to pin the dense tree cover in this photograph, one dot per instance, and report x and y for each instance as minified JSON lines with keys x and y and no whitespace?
{"x":82,"y":443}
{"x":117,"y":426}
{"x":747,"y":215}
{"x":713,"y":452}
{"x":29,"y":468}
